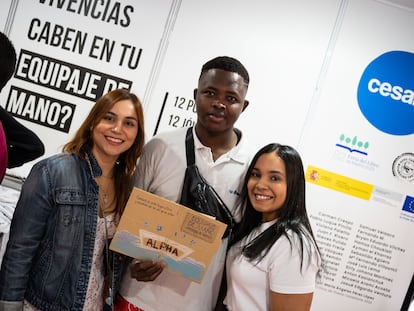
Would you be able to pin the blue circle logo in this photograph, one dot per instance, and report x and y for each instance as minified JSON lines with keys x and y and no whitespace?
{"x":386,"y":93}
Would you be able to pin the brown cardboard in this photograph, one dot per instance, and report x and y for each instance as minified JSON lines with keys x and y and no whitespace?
{"x":154,"y":228}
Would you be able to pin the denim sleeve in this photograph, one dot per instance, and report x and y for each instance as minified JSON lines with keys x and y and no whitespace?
{"x":26,"y":233}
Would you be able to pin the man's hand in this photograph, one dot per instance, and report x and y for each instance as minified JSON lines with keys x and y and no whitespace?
{"x":146,"y":270}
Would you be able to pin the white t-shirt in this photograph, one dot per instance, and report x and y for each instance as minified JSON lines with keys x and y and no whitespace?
{"x":161,"y":171}
{"x":249,"y":283}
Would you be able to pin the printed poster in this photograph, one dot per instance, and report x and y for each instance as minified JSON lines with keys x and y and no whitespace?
{"x":70,"y":53}
{"x":359,"y":160}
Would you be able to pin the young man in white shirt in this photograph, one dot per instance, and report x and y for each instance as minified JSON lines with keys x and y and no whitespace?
{"x":222,"y":158}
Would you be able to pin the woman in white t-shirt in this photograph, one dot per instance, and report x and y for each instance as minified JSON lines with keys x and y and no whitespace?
{"x":273,"y":260}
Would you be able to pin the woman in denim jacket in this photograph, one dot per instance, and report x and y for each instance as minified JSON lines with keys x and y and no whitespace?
{"x":68,"y":208}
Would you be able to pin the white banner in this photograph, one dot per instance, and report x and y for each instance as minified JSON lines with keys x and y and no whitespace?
{"x":70,"y":53}
{"x":359,"y":156}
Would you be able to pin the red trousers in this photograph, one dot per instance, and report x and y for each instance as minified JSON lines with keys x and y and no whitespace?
{"x":121,"y":304}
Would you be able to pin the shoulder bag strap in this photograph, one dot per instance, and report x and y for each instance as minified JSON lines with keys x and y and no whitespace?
{"x":189,"y":147}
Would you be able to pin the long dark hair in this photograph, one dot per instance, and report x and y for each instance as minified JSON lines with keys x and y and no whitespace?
{"x":82,"y":142}
{"x":292,"y":215}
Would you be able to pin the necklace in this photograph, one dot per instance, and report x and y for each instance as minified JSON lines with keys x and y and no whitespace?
{"x":105,"y":190}
{"x":110,"y":264}
{"x":106,"y":197}
{"x":102,"y":193}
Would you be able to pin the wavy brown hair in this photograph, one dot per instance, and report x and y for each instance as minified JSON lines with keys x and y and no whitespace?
{"x":82,"y":142}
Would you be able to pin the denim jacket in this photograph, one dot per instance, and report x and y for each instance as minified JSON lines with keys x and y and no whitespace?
{"x":49,"y":253}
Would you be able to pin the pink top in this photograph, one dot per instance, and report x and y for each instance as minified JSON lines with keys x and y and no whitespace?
{"x":3,"y":153}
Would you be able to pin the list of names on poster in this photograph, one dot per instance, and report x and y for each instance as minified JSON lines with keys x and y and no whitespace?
{"x":358,"y":259}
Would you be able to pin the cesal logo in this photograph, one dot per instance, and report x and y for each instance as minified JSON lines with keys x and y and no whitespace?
{"x":386,"y":93}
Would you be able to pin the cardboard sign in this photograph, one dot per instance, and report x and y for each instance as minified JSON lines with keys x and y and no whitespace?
{"x":154,"y":228}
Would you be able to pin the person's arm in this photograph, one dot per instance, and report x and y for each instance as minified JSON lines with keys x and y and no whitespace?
{"x":26,"y":232}
{"x":290,"y":302}
{"x":146,"y":270}
{"x":151,"y":176}
{"x":292,"y":278}
{"x":23,"y":145}
{"x":220,"y":306}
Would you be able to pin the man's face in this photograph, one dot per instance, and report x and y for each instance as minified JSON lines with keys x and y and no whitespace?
{"x":220,"y":99}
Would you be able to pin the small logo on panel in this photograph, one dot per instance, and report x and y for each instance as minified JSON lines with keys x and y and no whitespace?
{"x":386,"y":93}
{"x":313,"y":175}
{"x":352,"y":150}
{"x":409,"y":204}
{"x":403,"y":166}
{"x":353,"y":144}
